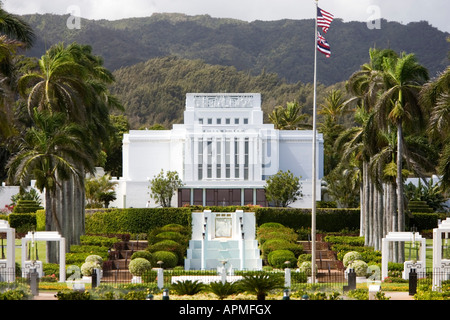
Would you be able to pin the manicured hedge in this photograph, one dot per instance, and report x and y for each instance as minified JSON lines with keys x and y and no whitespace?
{"x":134,"y":220}
{"x":22,"y":221}
{"x":424,"y":221}
{"x":26,"y":206}
{"x":143,"y":220}
{"x":327,"y":219}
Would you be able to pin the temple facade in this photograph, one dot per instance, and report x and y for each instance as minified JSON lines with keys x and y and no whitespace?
{"x":223,"y":152}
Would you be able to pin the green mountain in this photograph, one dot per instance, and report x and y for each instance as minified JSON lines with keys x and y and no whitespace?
{"x":155,"y":91}
{"x":284,"y":47}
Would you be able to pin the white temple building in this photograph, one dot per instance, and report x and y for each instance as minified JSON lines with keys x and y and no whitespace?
{"x":223,"y":152}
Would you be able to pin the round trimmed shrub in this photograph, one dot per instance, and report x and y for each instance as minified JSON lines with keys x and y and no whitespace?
{"x":171,"y":235}
{"x":305,"y":257}
{"x":285,"y":235}
{"x":278,"y":258}
{"x":169,"y":259}
{"x":142,"y":254}
{"x":169,"y":245}
{"x":360,"y":267}
{"x":95,"y":259}
{"x":305,"y":267}
{"x":275,"y":230}
{"x":280,"y":244}
{"x":175,"y":227}
{"x":88,"y":267}
{"x":139,"y":266}
{"x":351,"y":256}
{"x":271,"y":225}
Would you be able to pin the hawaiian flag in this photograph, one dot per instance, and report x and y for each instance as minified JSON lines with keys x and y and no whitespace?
{"x":322,"y":45}
{"x":324,"y":19}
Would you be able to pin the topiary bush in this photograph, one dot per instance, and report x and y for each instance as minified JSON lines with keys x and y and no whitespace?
{"x":22,"y":222}
{"x":88,"y":267}
{"x":304,"y":257}
{"x":171,"y":235}
{"x":305,"y":267}
{"x":281,"y":233}
{"x":169,"y":259}
{"x":142,"y":254}
{"x":280,"y":244}
{"x":139,"y":266}
{"x":278,"y":258}
{"x":351,"y":256}
{"x":270,"y":227}
{"x":26,"y":206}
{"x":176,"y":228}
{"x":95,"y":259}
{"x":101,"y":241}
{"x":169,"y":245}
{"x":360,"y":268}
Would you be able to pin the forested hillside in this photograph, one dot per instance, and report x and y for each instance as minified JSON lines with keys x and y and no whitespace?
{"x":284,"y":47}
{"x":155,"y":91}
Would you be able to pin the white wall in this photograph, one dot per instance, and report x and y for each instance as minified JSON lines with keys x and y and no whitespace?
{"x":295,"y":153}
{"x":6,"y":192}
{"x":144,"y":163}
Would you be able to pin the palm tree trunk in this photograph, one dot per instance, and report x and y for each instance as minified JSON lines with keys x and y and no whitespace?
{"x":365,"y":207}
{"x":400,"y":198}
{"x":68,"y":201}
{"x":394,"y":221}
{"x":51,"y":224}
{"x":380,"y":218}
{"x":361,"y":206}
{"x":79,"y":206}
{"x":79,"y":211}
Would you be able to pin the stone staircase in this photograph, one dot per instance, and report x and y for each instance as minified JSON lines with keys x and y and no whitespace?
{"x":327,"y":263}
{"x":120,"y":256}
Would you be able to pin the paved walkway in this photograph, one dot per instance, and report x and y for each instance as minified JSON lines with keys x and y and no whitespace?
{"x":398,"y":295}
{"x":45,"y":295}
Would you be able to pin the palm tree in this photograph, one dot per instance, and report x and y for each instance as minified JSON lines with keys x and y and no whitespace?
{"x":72,"y":81}
{"x":361,"y":142}
{"x":358,"y":144}
{"x":436,"y":96}
{"x":261,"y":284}
{"x":58,"y":85}
{"x":289,"y":118}
{"x":332,"y":110}
{"x":15,"y":28}
{"x":403,"y":78}
{"x":49,"y":153}
{"x":99,"y":191}
{"x":365,"y":84}
{"x":8,"y":49}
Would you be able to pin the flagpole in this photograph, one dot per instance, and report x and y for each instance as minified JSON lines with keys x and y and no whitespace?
{"x":313,"y":207}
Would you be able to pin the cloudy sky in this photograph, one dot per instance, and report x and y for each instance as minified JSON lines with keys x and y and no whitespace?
{"x":403,"y":11}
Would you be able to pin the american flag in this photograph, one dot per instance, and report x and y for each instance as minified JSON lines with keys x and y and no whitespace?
{"x":324,"y":19}
{"x":323,"y":46}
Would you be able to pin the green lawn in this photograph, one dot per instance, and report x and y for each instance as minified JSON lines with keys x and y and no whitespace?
{"x":41,"y":250}
{"x":414,"y":252}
